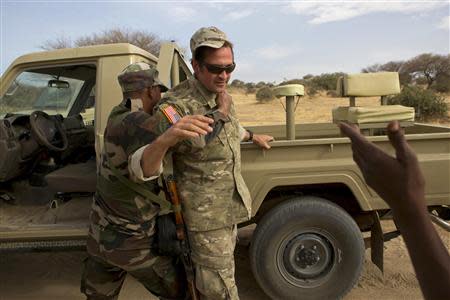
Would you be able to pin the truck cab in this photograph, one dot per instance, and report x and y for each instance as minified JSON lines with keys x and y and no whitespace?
{"x":53,"y":111}
{"x":313,"y":211}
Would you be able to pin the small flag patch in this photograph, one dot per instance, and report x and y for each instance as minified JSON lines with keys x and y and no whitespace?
{"x":171,"y":114}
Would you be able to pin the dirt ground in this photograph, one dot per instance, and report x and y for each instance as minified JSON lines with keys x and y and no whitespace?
{"x":56,"y":275}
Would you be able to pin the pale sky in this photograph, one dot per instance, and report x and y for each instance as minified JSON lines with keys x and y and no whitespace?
{"x":274,"y":40}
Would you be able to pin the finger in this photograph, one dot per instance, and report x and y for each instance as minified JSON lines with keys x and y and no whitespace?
{"x":200,"y":118}
{"x":188,"y":123}
{"x":359,"y":142}
{"x":182,"y":133}
{"x":193,"y":128}
{"x":269,"y":138}
{"x":265,"y":145}
{"x":398,"y":141}
{"x":202,"y":125}
{"x":352,"y":132}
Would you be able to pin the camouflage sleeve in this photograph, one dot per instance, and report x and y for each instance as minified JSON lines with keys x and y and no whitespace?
{"x":139,"y":128}
{"x":168,"y":113}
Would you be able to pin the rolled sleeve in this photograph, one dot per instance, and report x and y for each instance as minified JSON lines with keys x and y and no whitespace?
{"x":242,"y":132}
{"x":135,"y":168}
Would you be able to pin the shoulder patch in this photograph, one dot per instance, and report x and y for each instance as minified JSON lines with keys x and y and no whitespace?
{"x":171,"y":113}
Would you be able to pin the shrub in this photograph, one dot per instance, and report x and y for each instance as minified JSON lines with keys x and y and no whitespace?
{"x":250,"y":88}
{"x":427,"y":103}
{"x":326,"y":81}
{"x":311,"y":90}
{"x":442,"y":84}
{"x":265,"y":94}
{"x":237,"y":83}
{"x":333,"y":94}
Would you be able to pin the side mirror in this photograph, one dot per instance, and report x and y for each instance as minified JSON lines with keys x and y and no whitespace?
{"x":59,"y":84}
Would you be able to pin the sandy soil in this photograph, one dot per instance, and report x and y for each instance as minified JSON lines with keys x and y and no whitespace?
{"x":56,"y":275}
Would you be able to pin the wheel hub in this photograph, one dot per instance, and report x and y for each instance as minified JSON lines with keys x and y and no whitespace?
{"x":307,"y":256}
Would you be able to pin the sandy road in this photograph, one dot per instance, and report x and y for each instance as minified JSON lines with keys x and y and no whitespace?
{"x":56,"y":275}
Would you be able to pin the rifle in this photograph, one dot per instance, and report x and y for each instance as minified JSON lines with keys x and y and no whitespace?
{"x":181,"y":236}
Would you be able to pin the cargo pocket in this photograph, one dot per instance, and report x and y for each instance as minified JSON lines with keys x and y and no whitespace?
{"x":216,"y":284}
{"x":111,"y":238}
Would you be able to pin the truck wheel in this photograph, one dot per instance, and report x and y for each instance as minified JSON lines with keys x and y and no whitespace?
{"x":307,"y":248}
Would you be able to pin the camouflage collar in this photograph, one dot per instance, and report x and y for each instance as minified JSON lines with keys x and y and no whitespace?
{"x":209,"y":97}
{"x":133,"y":104}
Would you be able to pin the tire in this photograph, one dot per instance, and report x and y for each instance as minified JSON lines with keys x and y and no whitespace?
{"x":307,"y":248}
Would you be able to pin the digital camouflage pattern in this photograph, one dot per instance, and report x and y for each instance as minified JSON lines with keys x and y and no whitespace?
{"x":213,"y":193}
{"x":122,"y":221}
{"x":209,"y":177}
{"x":213,"y":254}
{"x":211,"y":37}
{"x":138,"y":76}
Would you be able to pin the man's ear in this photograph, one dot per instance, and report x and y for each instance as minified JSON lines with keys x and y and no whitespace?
{"x":150,"y":92}
{"x":195,"y":65}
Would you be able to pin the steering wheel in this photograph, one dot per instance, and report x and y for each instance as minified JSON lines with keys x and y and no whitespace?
{"x":45,"y":128}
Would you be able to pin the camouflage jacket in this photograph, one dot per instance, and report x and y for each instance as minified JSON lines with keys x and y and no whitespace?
{"x":116,"y":203}
{"x":213,"y":192}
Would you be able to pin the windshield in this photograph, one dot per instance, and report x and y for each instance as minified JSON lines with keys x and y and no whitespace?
{"x":32,"y":91}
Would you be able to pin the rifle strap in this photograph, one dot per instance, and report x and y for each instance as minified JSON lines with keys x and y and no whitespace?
{"x":164,"y":205}
{"x":168,"y":165}
{"x":168,"y":175}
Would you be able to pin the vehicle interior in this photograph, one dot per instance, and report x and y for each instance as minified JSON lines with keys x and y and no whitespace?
{"x":47,"y":166}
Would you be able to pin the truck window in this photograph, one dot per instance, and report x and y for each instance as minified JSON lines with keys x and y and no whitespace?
{"x":54,"y":90}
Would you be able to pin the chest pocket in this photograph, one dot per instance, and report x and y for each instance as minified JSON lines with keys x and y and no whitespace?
{"x":222,"y":147}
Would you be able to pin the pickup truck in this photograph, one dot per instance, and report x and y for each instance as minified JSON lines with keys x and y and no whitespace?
{"x":315,"y":214}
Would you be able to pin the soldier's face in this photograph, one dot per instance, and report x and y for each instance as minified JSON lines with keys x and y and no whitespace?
{"x":154,"y":95}
{"x":215,"y":83}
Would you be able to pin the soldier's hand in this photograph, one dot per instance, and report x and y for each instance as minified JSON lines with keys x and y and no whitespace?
{"x":223,"y":101}
{"x":262,"y":140}
{"x":398,"y":180}
{"x":187,"y":127}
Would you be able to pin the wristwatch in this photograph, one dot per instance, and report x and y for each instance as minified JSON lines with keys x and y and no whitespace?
{"x":250,"y":133}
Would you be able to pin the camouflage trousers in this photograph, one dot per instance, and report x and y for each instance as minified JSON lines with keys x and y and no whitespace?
{"x":213,"y":257}
{"x":114,"y":253}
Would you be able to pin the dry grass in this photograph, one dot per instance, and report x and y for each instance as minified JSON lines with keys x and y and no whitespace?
{"x":309,"y":110}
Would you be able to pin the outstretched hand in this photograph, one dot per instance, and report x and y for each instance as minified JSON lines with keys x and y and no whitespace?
{"x":191,"y":126}
{"x":398,"y":180}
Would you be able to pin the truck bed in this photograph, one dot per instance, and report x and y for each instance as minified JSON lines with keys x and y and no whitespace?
{"x":319,"y":155}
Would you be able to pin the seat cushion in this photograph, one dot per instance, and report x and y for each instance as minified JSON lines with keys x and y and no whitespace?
{"x":80,"y":177}
{"x":373,"y":114}
{"x":289,"y":90}
{"x":369,"y":84}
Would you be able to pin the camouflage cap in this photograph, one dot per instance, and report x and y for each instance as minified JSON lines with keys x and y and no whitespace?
{"x":139,"y":76}
{"x":209,"y":37}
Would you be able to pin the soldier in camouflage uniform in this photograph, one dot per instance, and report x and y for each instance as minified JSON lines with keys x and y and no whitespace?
{"x":214,"y":195}
{"x":122,"y":225}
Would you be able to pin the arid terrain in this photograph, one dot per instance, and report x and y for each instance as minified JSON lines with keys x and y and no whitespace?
{"x":56,"y":275}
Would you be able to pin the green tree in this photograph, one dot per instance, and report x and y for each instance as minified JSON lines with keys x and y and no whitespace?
{"x":140,"y":38}
{"x":392,"y":66}
{"x":426,"y":103}
{"x":430,"y":66}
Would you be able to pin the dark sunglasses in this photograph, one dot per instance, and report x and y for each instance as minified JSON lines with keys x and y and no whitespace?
{"x":217,"y":69}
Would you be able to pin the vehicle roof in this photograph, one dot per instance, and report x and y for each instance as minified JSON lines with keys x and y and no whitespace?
{"x":84,"y":52}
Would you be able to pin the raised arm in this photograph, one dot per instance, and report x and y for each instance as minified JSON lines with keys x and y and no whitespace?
{"x":405,"y":194}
